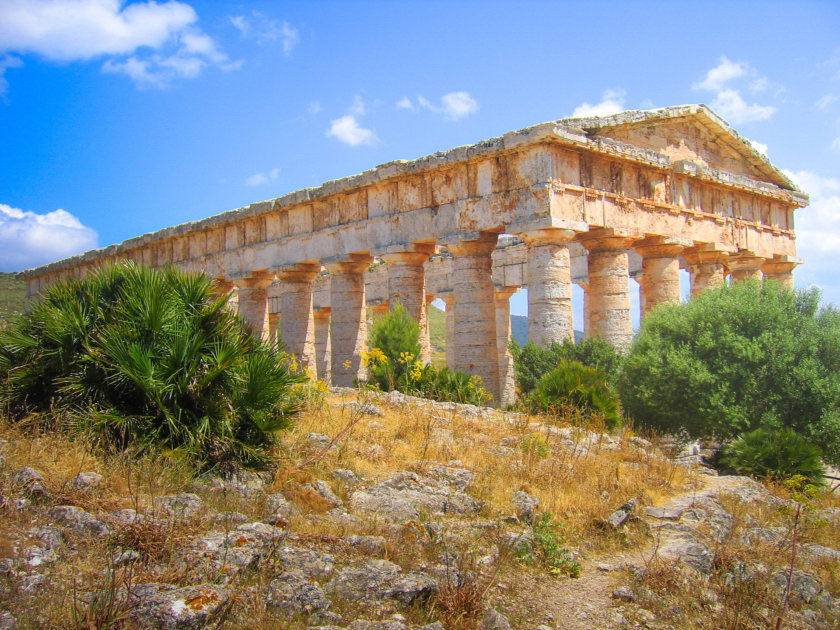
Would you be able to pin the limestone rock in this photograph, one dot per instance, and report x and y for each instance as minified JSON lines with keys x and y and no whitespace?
{"x":162,"y":606}
{"x":78,"y":521}
{"x":323,"y":489}
{"x":316,"y":441}
{"x":279,"y":505}
{"x":624,"y":593}
{"x":681,"y":542}
{"x":30,"y":483}
{"x":804,"y":586}
{"x":493,"y":620}
{"x":371,"y":545}
{"x":620,"y":516}
{"x":458,"y":478}
{"x":86,"y":481}
{"x":380,"y":579}
{"x":293,"y":594}
{"x":766,"y":535}
{"x":226,"y":554}
{"x":312,"y":564}
{"x":185,"y":505}
{"x":526,"y":505}
{"x":7,"y":621}
{"x":348,"y":477}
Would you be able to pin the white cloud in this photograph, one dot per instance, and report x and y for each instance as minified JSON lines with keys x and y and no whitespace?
{"x":6,"y":62}
{"x":729,"y":104}
{"x":612,"y":102}
{"x":347,"y":130}
{"x":358,"y":106}
{"x":453,"y":105}
{"x":818,"y":232}
{"x":28,"y":239}
{"x":758,"y":146}
{"x":150,"y":42}
{"x":265,"y":30}
{"x":721,"y":74}
{"x":257,"y":179}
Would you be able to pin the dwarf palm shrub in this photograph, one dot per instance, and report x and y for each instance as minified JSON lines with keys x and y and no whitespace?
{"x":572,"y":385}
{"x":148,"y":358}
{"x":775,"y":454}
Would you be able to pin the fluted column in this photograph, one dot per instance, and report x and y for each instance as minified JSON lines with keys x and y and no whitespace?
{"x":449,"y":300}
{"x":507,"y":385}
{"x":780,"y":269}
{"x":745,"y":265}
{"x":348,"y":327}
{"x":475,"y":309}
{"x":609,"y":286}
{"x":253,"y":301}
{"x":660,"y":281}
{"x":407,"y":284}
{"x":549,"y":278}
{"x":707,"y":265}
{"x":321,"y":325}
{"x":297,"y":328}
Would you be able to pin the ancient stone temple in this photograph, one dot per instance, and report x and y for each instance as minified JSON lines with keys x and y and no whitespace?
{"x":591,"y":201}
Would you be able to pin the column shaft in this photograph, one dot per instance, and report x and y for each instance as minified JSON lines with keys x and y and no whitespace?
{"x":780,"y":270}
{"x":297,"y":327}
{"x":707,"y":265}
{"x":549,"y":278}
{"x":507,"y":384}
{"x":660,"y":281}
{"x":475,"y":310}
{"x":253,"y":302}
{"x":321,"y":321}
{"x":348,"y":327}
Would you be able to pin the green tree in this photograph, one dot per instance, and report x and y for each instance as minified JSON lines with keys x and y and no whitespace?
{"x":151,"y":359}
{"x":572,"y":385}
{"x":531,"y":362}
{"x":394,"y":344}
{"x":735,"y":359}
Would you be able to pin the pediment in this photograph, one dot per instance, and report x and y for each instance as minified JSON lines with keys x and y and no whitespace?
{"x":691,"y":133}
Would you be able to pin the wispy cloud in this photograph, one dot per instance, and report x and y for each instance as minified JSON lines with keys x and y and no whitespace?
{"x":150,"y":42}
{"x":29,"y":239}
{"x":728,"y":101}
{"x":258,"y":179}
{"x":758,"y":146}
{"x":612,"y":102}
{"x":827,"y":101}
{"x":265,"y":31}
{"x":347,"y":128}
{"x":453,"y":105}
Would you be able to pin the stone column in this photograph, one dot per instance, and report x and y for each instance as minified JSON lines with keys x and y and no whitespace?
{"x":587,"y":319}
{"x":297,"y":328}
{"x":745,"y":265}
{"x":253,"y":301}
{"x":707,"y":264}
{"x":507,"y":384}
{"x":321,"y":321}
{"x":780,"y":269}
{"x":660,"y":281}
{"x":549,"y":278}
{"x":407,"y":284}
{"x":222,"y":287}
{"x":609,"y":286}
{"x":273,"y":320}
{"x":425,"y":332}
{"x":348,"y":326}
{"x":449,"y":300}
{"x":475,"y":309}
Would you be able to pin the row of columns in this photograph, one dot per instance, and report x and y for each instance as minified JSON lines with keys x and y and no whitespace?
{"x":330,"y":342}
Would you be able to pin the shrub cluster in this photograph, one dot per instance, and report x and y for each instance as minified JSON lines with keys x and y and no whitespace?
{"x":532,"y":362}
{"x":144,"y":358}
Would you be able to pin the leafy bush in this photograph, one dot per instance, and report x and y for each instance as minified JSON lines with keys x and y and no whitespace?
{"x":444,"y":385}
{"x":394,"y":342}
{"x":532,"y":362}
{"x":546,"y":549}
{"x":735,"y":359}
{"x":150,"y":359}
{"x":779,"y":455}
{"x":572,"y":385}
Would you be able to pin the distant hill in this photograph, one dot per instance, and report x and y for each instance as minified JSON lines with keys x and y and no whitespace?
{"x":12,"y":297}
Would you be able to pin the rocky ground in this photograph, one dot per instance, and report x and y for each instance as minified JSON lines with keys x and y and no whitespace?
{"x":420,"y":515}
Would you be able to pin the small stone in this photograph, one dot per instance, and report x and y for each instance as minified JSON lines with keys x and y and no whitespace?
{"x":184,"y":505}
{"x":624,"y":594}
{"x":346,"y":476}
{"x":316,"y":441}
{"x":126,"y":557}
{"x":526,"y":505}
{"x":30,"y":482}
{"x":278,"y":505}
{"x":371,"y":545}
{"x":86,"y":481}
{"x":162,"y":606}
{"x":294,"y":594}
{"x":326,"y":492}
{"x":79,"y":521}
{"x":8,"y":622}
{"x":493,"y":620}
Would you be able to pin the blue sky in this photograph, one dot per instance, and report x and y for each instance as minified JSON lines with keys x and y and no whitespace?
{"x":119,"y":118}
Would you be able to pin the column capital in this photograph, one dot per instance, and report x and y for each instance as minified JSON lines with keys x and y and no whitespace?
{"x":259,"y":279}
{"x":300,"y":272}
{"x":780,"y":265}
{"x":707,"y":253}
{"x":222,"y":285}
{"x":472,"y":243}
{"x":745,"y":261}
{"x":662,"y":246}
{"x":609,"y":239}
{"x":405,"y":258}
{"x":504,"y":293}
{"x":426,"y":249}
{"x":547,"y":236}
{"x":354,"y":263}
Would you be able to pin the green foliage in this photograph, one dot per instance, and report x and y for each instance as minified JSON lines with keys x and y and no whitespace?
{"x":531,"y":362}
{"x":150,"y":359}
{"x":534,"y":445}
{"x":735,"y":359}
{"x":394,"y":342}
{"x":775,"y":454}
{"x":444,"y":385}
{"x":12,"y":297}
{"x":574,"y":386}
{"x":546,"y":549}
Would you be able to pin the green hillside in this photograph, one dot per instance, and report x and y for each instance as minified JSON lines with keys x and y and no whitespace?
{"x":12,"y":295}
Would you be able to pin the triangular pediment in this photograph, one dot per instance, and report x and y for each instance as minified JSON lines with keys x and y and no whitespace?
{"x":692,"y":133}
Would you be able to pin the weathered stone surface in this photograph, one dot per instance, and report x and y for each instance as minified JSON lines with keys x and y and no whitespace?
{"x":681,"y":542}
{"x":380,"y":579}
{"x":348,"y":477}
{"x":185,"y":505}
{"x":371,"y":545}
{"x":620,"y":516}
{"x":86,"y":481}
{"x":162,"y":606}
{"x":323,"y":489}
{"x":293,"y":594}
{"x":526,"y":505}
{"x":78,"y":521}
{"x":30,"y":483}
{"x":279,"y":505}
{"x":493,"y":620}
{"x":312,"y":564}
{"x":226,"y":554}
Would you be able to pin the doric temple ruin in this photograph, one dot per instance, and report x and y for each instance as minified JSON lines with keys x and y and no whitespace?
{"x":589,"y":201}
